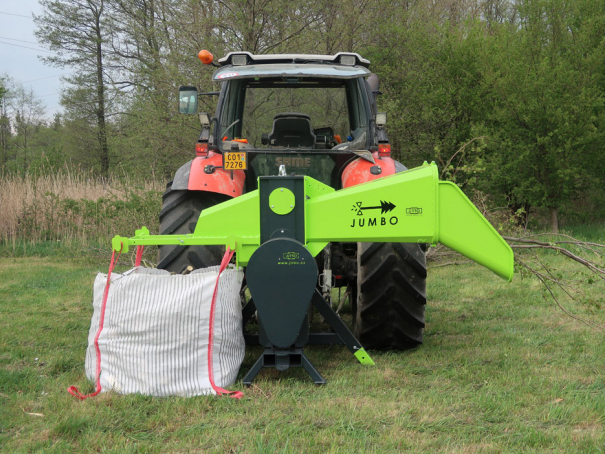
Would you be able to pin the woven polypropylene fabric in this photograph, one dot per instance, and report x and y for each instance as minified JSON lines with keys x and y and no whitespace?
{"x":155,"y":335}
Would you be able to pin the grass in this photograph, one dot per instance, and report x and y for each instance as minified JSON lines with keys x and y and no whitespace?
{"x":501,"y":369}
{"x":588,"y":232}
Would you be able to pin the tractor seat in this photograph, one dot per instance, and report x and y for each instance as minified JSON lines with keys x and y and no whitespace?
{"x":293,"y":130}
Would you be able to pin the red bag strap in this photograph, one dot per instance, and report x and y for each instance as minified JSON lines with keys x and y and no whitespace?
{"x":72,"y":389}
{"x":139,"y":257}
{"x":220,"y":391}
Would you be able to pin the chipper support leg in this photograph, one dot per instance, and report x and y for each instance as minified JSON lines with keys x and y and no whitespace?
{"x":339,"y":327}
{"x":253,"y":372}
{"x":283,"y":359}
{"x":316,"y":376}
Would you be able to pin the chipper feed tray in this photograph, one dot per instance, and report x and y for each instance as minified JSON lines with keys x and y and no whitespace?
{"x":277,"y":230}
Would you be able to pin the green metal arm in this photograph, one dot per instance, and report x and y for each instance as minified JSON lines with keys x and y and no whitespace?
{"x":408,"y":207}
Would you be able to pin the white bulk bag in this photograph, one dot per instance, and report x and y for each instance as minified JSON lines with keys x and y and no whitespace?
{"x":154,"y":339}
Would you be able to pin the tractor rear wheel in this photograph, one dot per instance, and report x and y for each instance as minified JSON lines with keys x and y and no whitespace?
{"x":180,"y":212}
{"x":391,"y":295}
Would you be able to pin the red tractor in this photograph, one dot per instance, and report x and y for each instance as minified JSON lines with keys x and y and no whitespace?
{"x":312,"y":115}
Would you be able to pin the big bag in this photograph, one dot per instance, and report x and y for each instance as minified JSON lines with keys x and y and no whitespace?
{"x":154,"y":339}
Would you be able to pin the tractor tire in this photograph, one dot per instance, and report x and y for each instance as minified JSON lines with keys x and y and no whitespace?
{"x":180,"y":212}
{"x":391,"y":295}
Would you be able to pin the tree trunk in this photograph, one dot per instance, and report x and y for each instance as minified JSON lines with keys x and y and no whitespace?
{"x":554,"y":221}
{"x":250,"y":38}
{"x":24,"y":151}
{"x":4,"y":138}
{"x":101,"y":99}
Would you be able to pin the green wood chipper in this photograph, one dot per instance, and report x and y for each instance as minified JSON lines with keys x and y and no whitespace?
{"x":279,"y":229}
{"x":294,"y":172}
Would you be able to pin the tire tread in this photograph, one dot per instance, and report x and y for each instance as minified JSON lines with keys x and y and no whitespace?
{"x":391,"y":295}
{"x":180,"y":212}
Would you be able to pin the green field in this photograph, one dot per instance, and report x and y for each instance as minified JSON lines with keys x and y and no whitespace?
{"x":501,"y":369}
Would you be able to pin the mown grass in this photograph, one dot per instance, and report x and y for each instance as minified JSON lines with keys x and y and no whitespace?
{"x":501,"y":369}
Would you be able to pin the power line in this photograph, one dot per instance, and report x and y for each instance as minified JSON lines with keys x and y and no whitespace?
{"x":13,"y":14}
{"x":20,"y":40}
{"x":26,"y":47}
{"x":42,"y":78}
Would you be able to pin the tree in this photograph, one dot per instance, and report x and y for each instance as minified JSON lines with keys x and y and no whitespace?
{"x":21,"y":116}
{"x":547,"y":106}
{"x":4,"y":123}
{"x":78,"y":30}
{"x":154,"y":49}
{"x":28,"y":117}
{"x":432,"y":85}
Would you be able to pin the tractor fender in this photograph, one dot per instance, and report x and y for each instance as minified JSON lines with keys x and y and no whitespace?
{"x":361,"y":170}
{"x":192,"y":176}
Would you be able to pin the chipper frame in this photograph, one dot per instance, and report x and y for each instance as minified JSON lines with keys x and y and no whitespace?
{"x":278,"y":229}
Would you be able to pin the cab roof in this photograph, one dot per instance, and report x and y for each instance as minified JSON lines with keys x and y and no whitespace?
{"x":240,"y":65}
{"x":294,"y":58}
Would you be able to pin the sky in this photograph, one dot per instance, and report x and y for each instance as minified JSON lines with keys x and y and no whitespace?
{"x":19,"y":51}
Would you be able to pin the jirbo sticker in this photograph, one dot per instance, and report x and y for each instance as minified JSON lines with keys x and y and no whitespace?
{"x":227,"y":75}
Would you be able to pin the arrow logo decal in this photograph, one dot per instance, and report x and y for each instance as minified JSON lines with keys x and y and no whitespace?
{"x":384,"y":207}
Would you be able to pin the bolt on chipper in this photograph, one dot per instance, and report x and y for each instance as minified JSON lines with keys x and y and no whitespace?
{"x":306,"y":211}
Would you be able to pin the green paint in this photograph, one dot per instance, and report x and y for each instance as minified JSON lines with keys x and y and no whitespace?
{"x":234,"y":223}
{"x":408,"y":207}
{"x":281,"y":201}
{"x":363,"y":357}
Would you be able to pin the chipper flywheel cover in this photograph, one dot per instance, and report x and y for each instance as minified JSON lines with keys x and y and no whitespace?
{"x":281,"y":276}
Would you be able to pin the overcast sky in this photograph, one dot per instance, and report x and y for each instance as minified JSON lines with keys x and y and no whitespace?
{"x":19,"y":51}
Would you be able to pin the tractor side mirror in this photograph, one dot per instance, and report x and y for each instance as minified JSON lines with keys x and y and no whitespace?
{"x":381,"y":119}
{"x":188,"y":100}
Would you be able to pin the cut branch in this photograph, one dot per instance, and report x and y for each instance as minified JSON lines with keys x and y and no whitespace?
{"x":573,"y":287}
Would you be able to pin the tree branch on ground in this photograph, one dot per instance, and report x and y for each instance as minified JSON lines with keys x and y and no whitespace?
{"x":530,"y":257}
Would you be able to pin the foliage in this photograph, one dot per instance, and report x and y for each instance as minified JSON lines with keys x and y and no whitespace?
{"x":508,"y":100}
{"x":64,"y":205}
{"x":55,"y":218}
{"x":25,"y":135}
{"x":77,"y":31}
{"x":547,"y":105}
{"x":506,"y":96}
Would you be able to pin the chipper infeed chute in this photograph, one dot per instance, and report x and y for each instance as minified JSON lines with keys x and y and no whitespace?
{"x":278,"y":229}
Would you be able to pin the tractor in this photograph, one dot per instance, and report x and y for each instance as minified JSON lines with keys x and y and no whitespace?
{"x":294,"y":175}
{"x":304,"y":115}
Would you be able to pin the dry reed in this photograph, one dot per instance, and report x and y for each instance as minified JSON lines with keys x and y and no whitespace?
{"x":69,"y":204}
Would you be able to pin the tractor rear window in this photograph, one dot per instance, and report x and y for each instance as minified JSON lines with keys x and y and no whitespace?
{"x":320,"y":107}
{"x":300,"y":123}
{"x":295,"y":113}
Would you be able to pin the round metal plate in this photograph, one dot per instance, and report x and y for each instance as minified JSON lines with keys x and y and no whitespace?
{"x":281,"y":201}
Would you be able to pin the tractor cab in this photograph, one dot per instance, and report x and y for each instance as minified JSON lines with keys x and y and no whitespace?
{"x":311,"y":114}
